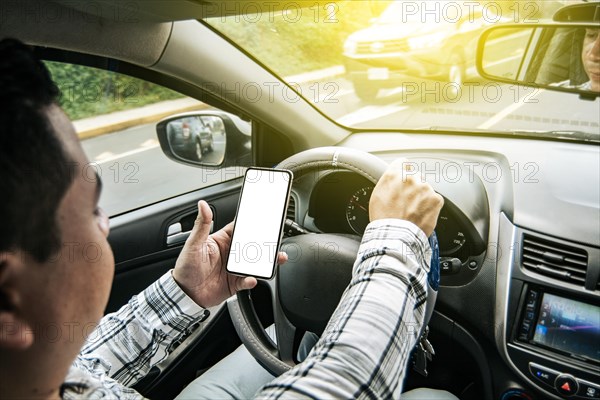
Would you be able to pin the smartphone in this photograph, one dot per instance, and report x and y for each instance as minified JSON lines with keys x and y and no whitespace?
{"x":259,"y":222}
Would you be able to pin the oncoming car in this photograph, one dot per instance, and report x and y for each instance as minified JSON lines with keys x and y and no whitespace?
{"x":174,"y":100}
{"x":404,"y":42}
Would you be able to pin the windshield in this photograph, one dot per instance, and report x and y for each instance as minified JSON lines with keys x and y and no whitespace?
{"x":410,"y":65}
{"x":394,"y":13}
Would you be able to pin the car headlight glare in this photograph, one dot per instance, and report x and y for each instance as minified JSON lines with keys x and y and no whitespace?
{"x":423,"y":42}
{"x":350,"y":46}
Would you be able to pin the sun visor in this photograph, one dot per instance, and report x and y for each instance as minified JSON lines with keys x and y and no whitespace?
{"x":585,"y":12}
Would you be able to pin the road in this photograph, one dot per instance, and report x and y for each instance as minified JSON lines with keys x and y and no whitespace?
{"x":135,"y":172}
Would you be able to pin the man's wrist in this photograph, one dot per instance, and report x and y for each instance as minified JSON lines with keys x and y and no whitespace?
{"x":401,"y":237}
{"x":397,"y":223}
{"x":167,"y":291}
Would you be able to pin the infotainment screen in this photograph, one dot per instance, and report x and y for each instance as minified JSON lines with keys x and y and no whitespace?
{"x":568,"y":326}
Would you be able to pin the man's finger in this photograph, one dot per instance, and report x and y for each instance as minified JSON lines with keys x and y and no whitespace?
{"x":202,"y":224}
{"x":246,"y":283}
{"x":282,"y":258}
{"x":403,"y":169}
{"x":228,"y":229}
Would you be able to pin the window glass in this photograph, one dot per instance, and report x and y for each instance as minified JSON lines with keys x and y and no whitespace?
{"x":115,"y":117}
{"x":411,"y":65}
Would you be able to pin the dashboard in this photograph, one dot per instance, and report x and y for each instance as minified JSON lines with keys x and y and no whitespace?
{"x":338,"y":202}
{"x":504,"y":238}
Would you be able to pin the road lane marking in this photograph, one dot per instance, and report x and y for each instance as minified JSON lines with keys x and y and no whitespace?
{"x":503,"y":61}
{"x":104,"y":156}
{"x":329,"y":97}
{"x":126,"y":154}
{"x":150,"y":143}
{"x":394,"y":91}
{"x":369,"y":113}
{"x":507,"y":111}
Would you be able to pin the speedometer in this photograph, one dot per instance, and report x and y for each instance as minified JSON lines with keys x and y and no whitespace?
{"x":357,"y":210}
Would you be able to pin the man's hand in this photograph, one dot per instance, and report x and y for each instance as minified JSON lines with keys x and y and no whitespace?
{"x":401,"y":194}
{"x":200,"y":268}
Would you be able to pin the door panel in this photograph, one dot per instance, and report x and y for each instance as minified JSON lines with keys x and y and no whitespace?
{"x":139,"y":238}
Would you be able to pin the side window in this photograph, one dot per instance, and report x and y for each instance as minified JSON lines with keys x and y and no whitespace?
{"x":115,"y":117}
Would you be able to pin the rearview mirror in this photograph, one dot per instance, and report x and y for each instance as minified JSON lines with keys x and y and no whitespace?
{"x":559,"y":57}
{"x":210,"y":139}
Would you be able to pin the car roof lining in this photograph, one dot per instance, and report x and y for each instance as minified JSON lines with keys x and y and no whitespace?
{"x":180,"y":10}
{"x":39,"y":23}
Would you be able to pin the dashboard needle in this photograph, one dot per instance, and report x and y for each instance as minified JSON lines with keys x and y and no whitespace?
{"x":362,"y":207}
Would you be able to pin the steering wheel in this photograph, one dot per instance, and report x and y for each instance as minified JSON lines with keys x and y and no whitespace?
{"x":306,"y":291}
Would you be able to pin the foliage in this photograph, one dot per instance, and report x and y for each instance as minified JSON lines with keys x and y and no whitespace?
{"x":87,"y":91}
{"x":286,"y":42}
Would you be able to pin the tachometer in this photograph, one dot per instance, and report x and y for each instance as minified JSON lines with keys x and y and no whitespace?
{"x":357,"y":210}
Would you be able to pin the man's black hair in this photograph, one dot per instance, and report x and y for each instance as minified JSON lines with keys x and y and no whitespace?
{"x":35,"y":171}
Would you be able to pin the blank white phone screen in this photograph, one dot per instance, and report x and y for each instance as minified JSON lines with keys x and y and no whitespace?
{"x":259,"y":222}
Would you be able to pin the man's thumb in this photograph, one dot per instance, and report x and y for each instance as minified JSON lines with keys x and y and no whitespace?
{"x":202,"y":224}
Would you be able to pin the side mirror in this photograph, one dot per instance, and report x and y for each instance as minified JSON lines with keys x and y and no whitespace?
{"x":558,"y":57}
{"x":210,"y":139}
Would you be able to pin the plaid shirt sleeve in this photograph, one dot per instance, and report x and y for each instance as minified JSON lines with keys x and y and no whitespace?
{"x":126,"y":344}
{"x":364,"y":350}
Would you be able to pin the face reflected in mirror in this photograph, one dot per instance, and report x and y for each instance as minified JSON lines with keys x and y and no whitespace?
{"x":551,"y":56}
{"x":591,"y":58}
{"x":198,"y":138}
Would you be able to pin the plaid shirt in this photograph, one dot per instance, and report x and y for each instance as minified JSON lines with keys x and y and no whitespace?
{"x":362,"y":354}
{"x":365,"y":348}
{"x":128,"y":343}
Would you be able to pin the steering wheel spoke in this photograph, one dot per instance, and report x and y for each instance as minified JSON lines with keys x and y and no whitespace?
{"x":284,"y":329}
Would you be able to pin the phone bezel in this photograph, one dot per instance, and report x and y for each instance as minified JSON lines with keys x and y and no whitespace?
{"x":281,"y":224}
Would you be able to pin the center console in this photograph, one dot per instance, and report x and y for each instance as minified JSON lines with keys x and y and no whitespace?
{"x":548,"y":313}
{"x":562,"y":329}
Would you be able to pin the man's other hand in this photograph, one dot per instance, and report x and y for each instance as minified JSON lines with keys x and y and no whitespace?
{"x":200,"y":268}
{"x":401,"y":194}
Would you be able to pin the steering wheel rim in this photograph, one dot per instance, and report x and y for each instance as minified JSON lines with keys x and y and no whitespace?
{"x":279,"y":358}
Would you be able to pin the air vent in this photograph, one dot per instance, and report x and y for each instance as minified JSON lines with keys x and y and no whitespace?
{"x":291,"y":211}
{"x":556,"y":260}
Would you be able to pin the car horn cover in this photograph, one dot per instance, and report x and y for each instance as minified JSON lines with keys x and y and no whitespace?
{"x":315,"y":276}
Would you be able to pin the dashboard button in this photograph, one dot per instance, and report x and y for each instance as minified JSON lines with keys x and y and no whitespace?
{"x":524,"y":334}
{"x":533,"y":295}
{"x":566,"y":385}
{"x":449,"y":266}
{"x":588,"y":390}
{"x":446,"y":266}
{"x":529,"y":315}
{"x":543,"y":374}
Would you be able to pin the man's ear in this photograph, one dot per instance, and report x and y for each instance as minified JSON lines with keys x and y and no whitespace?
{"x":15,"y":332}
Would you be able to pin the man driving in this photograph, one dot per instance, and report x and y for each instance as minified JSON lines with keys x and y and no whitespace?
{"x":50,"y":211}
{"x":590,"y":56}
{"x":585,"y":43}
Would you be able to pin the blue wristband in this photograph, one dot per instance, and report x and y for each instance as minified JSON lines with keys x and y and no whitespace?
{"x":433,"y":278}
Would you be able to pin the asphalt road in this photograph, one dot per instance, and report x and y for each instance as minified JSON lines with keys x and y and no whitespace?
{"x":135,"y":172}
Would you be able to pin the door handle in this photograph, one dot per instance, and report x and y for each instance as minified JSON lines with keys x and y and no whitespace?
{"x":175,"y":234}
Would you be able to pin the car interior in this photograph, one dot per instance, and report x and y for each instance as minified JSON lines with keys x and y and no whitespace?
{"x":518,"y":311}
